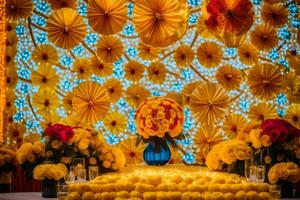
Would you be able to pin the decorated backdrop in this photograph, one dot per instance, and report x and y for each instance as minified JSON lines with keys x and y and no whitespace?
{"x":91,"y":63}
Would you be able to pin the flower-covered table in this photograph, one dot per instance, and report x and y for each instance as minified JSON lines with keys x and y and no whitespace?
{"x":168,"y":182}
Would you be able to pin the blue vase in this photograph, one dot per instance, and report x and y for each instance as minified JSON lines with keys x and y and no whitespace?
{"x":157,"y":152}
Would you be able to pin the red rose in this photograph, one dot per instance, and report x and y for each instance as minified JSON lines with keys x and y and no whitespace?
{"x":279,"y":130}
{"x":63,"y":133}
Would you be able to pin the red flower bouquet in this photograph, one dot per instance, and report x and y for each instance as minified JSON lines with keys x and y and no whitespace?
{"x":63,"y":133}
{"x":279,"y":130}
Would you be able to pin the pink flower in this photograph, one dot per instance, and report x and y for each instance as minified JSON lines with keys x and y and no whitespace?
{"x":279,"y":130}
{"x":63,"y":133}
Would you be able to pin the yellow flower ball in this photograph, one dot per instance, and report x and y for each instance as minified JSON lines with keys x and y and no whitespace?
{"x":84,"y":144}
{"x":268,"y":159}
{"x":88,"y":196}
{"x":135,"y":194}
{"x":73,"y":196}
{"x":37,"y":149}
{"x":264,"y":196}
{"x":149,"y":196}
{"x":229,"y":196}
{"x":241,"y":195}
{"x":266,"y":141}
{"x":123,"y":194}
{"x":92,"y":161}
{"x":252,"y":195}
{"x":106,"y":164}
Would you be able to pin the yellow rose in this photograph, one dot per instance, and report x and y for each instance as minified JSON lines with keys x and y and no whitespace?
{"x":254,"y":137}
{"x":294,"y":176}
{"x":283,"y":173}
{"x":55,"y":144}
{"x":266,"y":142}
{"x":37,"y":149}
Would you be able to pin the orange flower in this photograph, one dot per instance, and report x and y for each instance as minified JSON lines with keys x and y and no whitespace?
{"x":57,"y":4}
{"x":274,"y":14}
{"x":157,"y":73}
{"x":229,"y":77}
{"x":209,"y":54}
{"x":183,"y":56}
{"x":20,"y":9}
{"x":264,"y":37}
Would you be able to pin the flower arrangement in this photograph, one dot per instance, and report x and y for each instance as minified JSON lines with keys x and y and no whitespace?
{"x":8,"y":159}
{"x":50,"y":171}
{"x":29,"y":155}
{"x":285,"y":171}
{"x":159,"y":117}
{"x":227,"y":152}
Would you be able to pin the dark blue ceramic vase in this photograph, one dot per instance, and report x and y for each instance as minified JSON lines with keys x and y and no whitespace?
{"x":157,"y":152}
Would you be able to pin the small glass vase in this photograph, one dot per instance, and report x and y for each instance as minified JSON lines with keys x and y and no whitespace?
{"x":49,"y":188}
{"x":157,"y":152}
{"x":5,"y":182}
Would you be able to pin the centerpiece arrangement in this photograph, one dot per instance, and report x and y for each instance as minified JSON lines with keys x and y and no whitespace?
{"x":159,"y":123}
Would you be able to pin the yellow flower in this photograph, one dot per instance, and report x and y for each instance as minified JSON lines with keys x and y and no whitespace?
{"x":268,"y":159}
{"x":84,"y":144}
{"x":263,"y":111}
{"x":92,"y":161}
{"x":207,"y":136}
{"x":45,"y":54}
{"x":293,"y":115}
{"x":183,"y":56}
{"x":148,"y":52}
{"x":11,"y":39}
{"x":56,"y":144}
{"x":32,"y":137}
{"x":49,"y":120}
{"x":266,"y":141}
{"x":209,"y":54}
{"x":134,"y":71}
{"x":57,"y":4}
{"x":274,"y":14}
{"x":265,"y":81}
{"x":15,"y":132}
{"x":136,"y":94}
{"x":264,"y":37}
{"x":109,"y":49}
{"x":10,"y":96}
{"x":133,"y":153}
{"x":45,"y":77}
{"x":115,"y":122}
{"x":114,"y":89}
{"x":83,"y":68}
{"x":46,"y":101}
{"x":106,"y":164}
{"x":234,"y":124}
{"x":229,"y":77}
{"x":254,"y":137}
{"x":176,"y":97}
{"x":248,"y":54}
{"x":101,"y":69}
{"x":157,"y":72}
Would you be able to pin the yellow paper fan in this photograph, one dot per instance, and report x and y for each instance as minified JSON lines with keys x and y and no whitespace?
{"x":209,"y":102}
{"x":160,"y":22}
{"x":90,"y":102}
{"x":66,"y":28}
{"x":107,"y":16}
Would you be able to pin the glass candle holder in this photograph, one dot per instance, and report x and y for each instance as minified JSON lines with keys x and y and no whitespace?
{"x":260,"y":173}
{"x":275,"y":191}
{"x":81,"y":175}
{"x":62,"y":191}
{"x":93,"y":172}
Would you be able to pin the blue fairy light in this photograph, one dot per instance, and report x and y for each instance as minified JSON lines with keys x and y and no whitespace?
{"x":20,"y":30}
{"x":40,"y":21}
{"x":23,"y":55}
{"x":41,"y":37}
{"x":156,"y":93}
{"x":189,"y":158}
{"x":177,"y":86}
{"x":281,"y":112}
{"x":273,"y":54}
{"x":284,"y":33}
{"x":66,"y":61}
{"x":283,"y":62}
{"x":281,"y":99}
{"x":112,"y":139}
{"x":295,"y":23}
{"x":132,"y":127}
{"x":132,"y":52}
{"x":244,"y":105}
{"x":257,"y":2}
{"x":293,"y":9}
{"x":193,"y":19}
{"x":194,"y":2}
{"x":20,"y":102}
{"x":187,"y":74}
{"x":78,"y":51}
{"x":66,"y":85}
{"x":230,"y":51}
{"x":82,"y":9}
{"x":122,"y":104}
{"x":23,"y":88}
{"x":130,"y":9}
{"x":42,"y":6}
{"x":18,"y":117}
{"x":91,"y":38}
